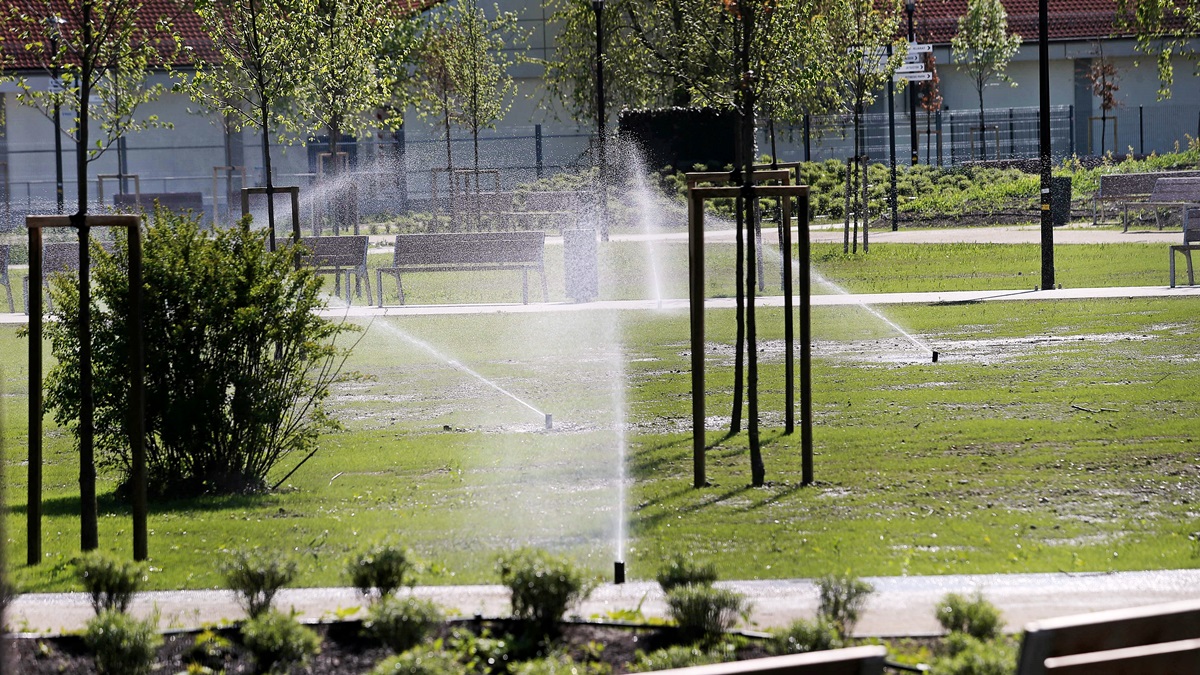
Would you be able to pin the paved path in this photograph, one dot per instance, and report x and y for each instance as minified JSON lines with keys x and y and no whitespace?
{"x":900,"y":605}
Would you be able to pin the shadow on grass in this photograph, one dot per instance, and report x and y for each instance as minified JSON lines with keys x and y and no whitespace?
{"x":110,"y":503}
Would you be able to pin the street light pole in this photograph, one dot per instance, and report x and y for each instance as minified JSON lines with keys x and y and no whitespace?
{"x":909,"y":7}
{"x":598,"y":9}
{"x":54,"y":24}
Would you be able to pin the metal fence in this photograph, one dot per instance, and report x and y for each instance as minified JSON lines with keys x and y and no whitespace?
{"x":394,"y":173}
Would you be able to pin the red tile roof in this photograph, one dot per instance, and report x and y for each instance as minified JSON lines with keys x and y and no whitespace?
{"x":936,"y":21}
{"x":185,"y":21}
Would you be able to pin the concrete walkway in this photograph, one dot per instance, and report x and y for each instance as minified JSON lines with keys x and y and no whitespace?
{"x":899,"y":606}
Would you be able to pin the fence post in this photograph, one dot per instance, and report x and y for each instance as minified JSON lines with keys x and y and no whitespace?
{"x":937,"y":119}
{"x":1141,"y":130}
{"x":1071,"y":121}
{"x":807,"y":137}
{"x":537,"y":148}
{"x":1012,"y":139}
{"x":952,"y":138}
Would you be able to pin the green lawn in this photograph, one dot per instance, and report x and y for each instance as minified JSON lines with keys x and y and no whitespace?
{"x":1051,"y":436}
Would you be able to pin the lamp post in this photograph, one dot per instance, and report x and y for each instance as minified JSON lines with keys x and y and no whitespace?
{"x":598,"y":9}
{"x":909,"y":7}
{"x":54,"y":26}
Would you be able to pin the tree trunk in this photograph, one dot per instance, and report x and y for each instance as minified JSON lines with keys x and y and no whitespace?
{"x":89,"y":537}
{"x":982,"y":133}
{"x":749,"y":104}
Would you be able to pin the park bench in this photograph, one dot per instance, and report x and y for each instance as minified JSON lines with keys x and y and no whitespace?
{"x":179,"y":202}
{"x":56,"y":257}
{"x":1168,"y":194}
{"x":1156,"y":639}
{"x":1121,"y":188}
{"x":1191,"y":242}
{"x":4,"y":248}
{"x":467,"y":251}
{"x":344,"y":255}
{"x":850,"y":661}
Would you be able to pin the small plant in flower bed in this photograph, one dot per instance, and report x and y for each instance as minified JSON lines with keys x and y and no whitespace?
{"x":121,"y":644}
{"x":804,"y":636}
{"x":277,"y":641}
{"x":543,"y":586}
{"x":424,"y":660}
{"x":965,"y":655}
{"x":705,"y":612}
{"x":972,"y":615}
{"x":382,"y":570}
{"x":256,"y":577}
{"x":402,"y":623}
{"x":842,"y":600}
{"x":109,"y":581}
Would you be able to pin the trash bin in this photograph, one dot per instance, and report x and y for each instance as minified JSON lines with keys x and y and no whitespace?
{"x":579,"y":264}
{"x":1060,"y":200}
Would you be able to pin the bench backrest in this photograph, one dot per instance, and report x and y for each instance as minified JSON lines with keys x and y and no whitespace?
{"x":326,"y":252}
{"x":1137,"y":184}
{"x":850,"y":661}
{"x":180,"y":202}
{"x":1105,"y":631}
{"x":60,"y":257}
{"x":1191,"y":225}
{"x":1176,"y":190}
{"x":4,"y":263}
{"x":469,"y":248}
{"x":489,"y":202}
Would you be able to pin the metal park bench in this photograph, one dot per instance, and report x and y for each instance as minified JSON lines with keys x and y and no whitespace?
{"x":345,"y":255}
{"x":1155,"y":639}
{"x":1123,"y":188}
{"x":467,"y":251}
{"x":849,"y":661}
{"x":1191,"y":242}
{"x":182,"y":203}
{"x":1168,"y":194}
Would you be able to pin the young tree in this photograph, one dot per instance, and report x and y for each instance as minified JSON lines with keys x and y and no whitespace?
{"x":238,"y":362}
{"x":1103,"y":76}
{"x":930,"y":98}
{"x":101,"y":49}
{"x":1164,"y":29}
{"x":258,"y":64}
{"x":358,"y":49}
{"x":984,"y":46}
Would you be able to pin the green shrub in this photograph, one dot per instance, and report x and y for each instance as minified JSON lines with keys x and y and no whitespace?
{"x":277,"y":641}
{"x":806,"y":636}
{"x":238,"y":362}
{"x":110,"y":581}
{"x":842,"y":599}
{"x":681,"y":570}
{"x":670,"y":658}
{"x":402,"y":623}
{"x":482,"y":653}
{"x":425,"y":660}
{"x":256,"y":576}
{"x":209,"y":650}
{"x":559,"y":664}
{"x":543,"y":586}
{"x":381,"y":570}
{"x":969,"y":656}
{"x":971,"y":615}
{"x":121,"y":644}
{"x":703,"y":612}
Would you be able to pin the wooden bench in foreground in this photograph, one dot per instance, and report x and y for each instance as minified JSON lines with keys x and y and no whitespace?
{"x":1168,"y":193}
{"x":849,"y":661}
{"x":339,"y":255}
{"x":1156,"y":639}
{"x":467,"y":251}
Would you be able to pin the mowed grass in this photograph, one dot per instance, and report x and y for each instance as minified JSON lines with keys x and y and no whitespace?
{"x":1051,"y":436}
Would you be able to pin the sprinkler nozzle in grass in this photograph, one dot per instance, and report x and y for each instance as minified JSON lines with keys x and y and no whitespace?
{"x":549,"y":421}
{"x":935,"y":356}
{"x":618,"y":572}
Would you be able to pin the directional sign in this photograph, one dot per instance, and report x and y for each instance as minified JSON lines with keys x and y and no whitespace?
{"x":917,"y":48}
{"x":911,"y":68}
{"x":912,"y":77}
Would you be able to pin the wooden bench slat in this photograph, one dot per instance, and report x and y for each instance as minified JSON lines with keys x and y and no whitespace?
{"x":1182,"y":656}
{"x":467,"y":251}
{"x":850,"y":661}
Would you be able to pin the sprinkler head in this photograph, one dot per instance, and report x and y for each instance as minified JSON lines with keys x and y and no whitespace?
{"x":619,"y":572}
{"x":935,"y":356}
{"x":549,"y":421}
